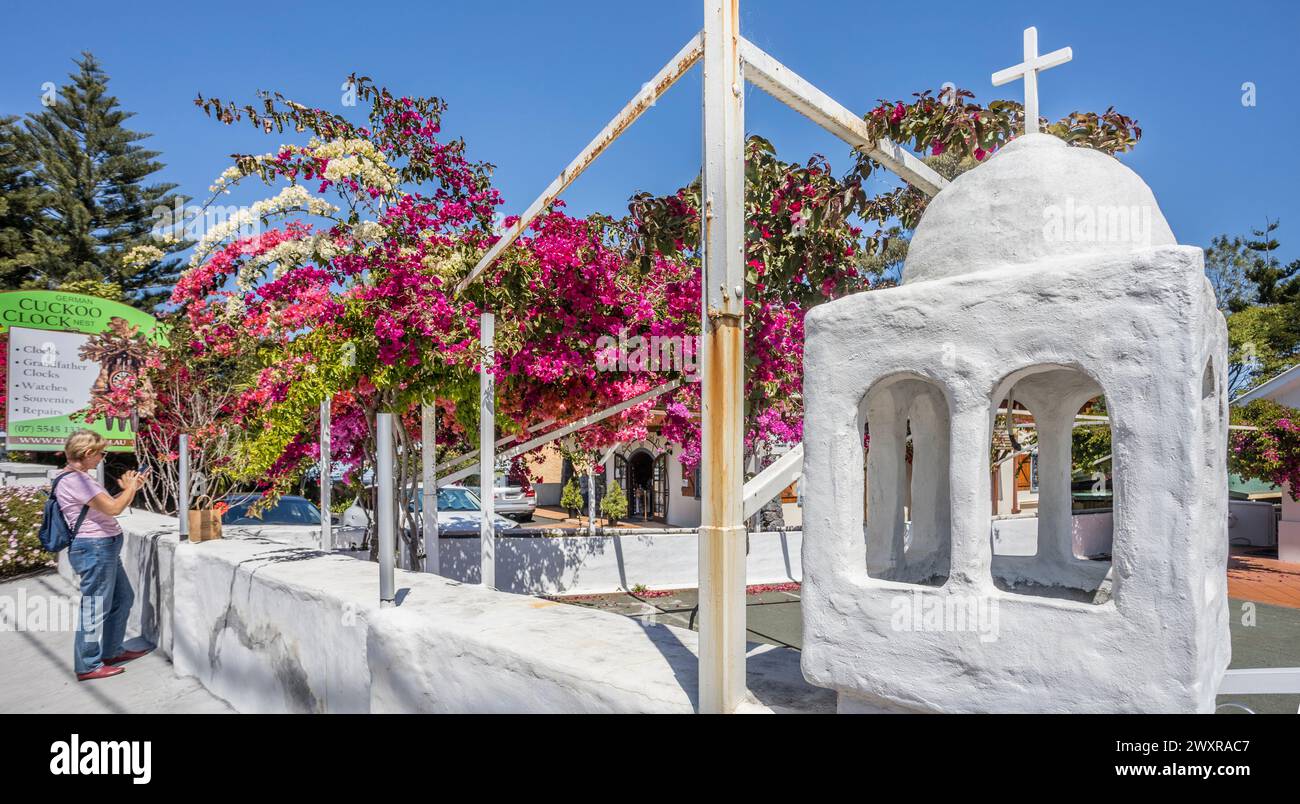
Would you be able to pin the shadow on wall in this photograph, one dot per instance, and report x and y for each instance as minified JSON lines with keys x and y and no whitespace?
{"x":534,"y":564}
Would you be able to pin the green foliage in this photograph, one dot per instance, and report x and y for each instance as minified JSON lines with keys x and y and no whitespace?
{"x":20,"y":518}
{"x":21,"y":198}
{"x":96,"y":208}
{"x":1226,"y":262}
{"x":571,"y":497}
{"x":1090,"y":443}
{"x":1261,"y":297}
{"x":93,"y":287}
{"x":614,"y":503}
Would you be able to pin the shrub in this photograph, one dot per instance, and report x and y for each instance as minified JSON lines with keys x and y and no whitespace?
{"x":614,"y":503}
{"x":20,"y":519}
{"x":571,"y":497}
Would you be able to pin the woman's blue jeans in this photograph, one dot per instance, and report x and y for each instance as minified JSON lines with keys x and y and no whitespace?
{"x":106,"y":598}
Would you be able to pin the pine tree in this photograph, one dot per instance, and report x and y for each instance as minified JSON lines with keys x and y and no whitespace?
{"x":20,"y":206}
{"x":98,"y":213}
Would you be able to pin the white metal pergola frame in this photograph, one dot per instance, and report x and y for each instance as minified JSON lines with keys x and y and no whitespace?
{"x":726,"y":56}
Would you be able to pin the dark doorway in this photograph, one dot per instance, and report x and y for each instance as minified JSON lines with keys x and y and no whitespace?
{"x":647,"y":486}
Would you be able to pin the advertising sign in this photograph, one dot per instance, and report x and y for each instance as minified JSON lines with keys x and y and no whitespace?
{"x":64,"y":352}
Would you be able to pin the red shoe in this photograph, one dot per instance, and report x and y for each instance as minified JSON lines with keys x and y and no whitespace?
{"x":126,"y":656}
{"x":103,"y":671}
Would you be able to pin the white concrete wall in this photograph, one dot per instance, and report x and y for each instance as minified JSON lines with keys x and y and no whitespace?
{"x":1018,"y":535}
{"x":272,"y":627}
{"x":1288,"y":529}
{"x":683,"y":511}
{"x":589,"y":565}
{"x":548,"y":493}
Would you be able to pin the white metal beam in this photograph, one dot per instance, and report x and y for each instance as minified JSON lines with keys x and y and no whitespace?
{"x":560,"y":432}
{"x":722,"y":366}
{"x":487,"y":433}
{"x":429,"y":493}
{"x":768,"y":483}
{"x":326,"y":523}
{"x":501,"y":442}
{"x":785,"y":85}
{"x":1261,"y":681}
{"x":643,"y":100}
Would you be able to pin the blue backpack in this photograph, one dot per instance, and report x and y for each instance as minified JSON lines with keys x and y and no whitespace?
{"x":55,"y":534}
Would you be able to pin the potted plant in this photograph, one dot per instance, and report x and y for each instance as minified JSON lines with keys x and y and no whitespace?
{"x":614,"y":504}
{"x":571,"y":497}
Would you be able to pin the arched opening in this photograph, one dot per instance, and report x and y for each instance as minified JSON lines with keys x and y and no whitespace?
{"x":646,"y":485}
{"x":1051,"y":485}
{"x":907,"y":515}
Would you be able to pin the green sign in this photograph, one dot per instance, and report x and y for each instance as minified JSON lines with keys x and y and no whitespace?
{"x":64,"y":351}
{"x":68,"y":312}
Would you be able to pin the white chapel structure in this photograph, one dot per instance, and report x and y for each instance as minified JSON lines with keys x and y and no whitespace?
{"x":1049,"y":276}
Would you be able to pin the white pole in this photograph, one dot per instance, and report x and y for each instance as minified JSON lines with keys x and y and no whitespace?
{"x":384,"y":484}
{"x":591,"y":499}
{"x":429,"y":504}
{"x":326,"y":523}
{"x":722,"y":527}
{"x":183,"y":487}
{"x":487,"y":451}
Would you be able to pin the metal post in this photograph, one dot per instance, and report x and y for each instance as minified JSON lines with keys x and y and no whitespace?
{"x":722,"y":529}
{"x":591,"y":499}
{"x":326,"y":523}
{"x":384,"y":484}
{"x":487,"y":450}
{"x":429,"y":503}
{"x":183,"y":487}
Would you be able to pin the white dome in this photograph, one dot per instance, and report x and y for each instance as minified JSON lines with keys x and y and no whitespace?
{"x":1036,"y":199}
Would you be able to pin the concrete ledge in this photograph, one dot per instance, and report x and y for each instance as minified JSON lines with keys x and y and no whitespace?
{"x":271,"y":627}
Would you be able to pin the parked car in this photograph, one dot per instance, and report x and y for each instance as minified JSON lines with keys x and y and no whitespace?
{"x":290,"y":511}
{"x":509,"y":500}
{"x":459,"y":513}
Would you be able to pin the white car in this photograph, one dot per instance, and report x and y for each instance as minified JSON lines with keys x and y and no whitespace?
{"x":459,"y":513}
{"x":509,"y":500}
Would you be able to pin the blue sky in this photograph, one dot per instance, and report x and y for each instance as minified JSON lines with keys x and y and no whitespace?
{"x":530,"y":83}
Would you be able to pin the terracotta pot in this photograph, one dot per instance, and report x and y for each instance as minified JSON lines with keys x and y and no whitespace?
{"x":205,"y":525}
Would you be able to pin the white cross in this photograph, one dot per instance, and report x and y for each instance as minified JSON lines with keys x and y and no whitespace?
{"x":1029,"y":71}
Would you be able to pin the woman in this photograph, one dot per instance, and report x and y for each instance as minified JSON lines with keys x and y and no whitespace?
{"x":95,"y":554}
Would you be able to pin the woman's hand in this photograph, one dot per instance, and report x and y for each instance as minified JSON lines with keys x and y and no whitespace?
{"x":133,"y":481}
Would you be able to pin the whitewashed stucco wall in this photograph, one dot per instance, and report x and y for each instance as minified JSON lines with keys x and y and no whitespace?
{"x":590,"y":565}
{"x":272,"y":627}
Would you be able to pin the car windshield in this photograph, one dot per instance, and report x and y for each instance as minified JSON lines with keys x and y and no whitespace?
{"x":452,"y":498}
{"x":285,"y":511}
{"x":502,"y":481}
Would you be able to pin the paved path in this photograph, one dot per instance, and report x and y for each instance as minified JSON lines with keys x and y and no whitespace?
{"x":1257,"y":575}
{"x":36,"y":670}
{"x":1263,"y":635}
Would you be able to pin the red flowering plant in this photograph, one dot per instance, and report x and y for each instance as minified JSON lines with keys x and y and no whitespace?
{"x":811,"y":237}
{"x":1271,"y":451}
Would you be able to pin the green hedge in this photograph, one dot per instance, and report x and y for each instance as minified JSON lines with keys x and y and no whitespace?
{"x":20,"y":518}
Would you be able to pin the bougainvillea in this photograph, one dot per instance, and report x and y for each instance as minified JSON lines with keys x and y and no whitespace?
{"x":1271,"y":451}
{"x":350,"y":297}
